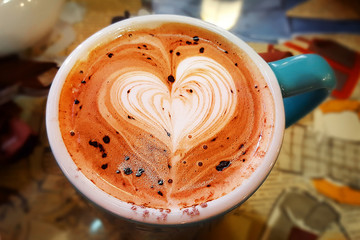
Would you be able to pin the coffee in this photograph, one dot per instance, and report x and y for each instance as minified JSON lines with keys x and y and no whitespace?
{"x":166,"y":117}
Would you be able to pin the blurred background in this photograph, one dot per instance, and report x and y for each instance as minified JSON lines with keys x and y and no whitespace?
{"x":313,"y":191}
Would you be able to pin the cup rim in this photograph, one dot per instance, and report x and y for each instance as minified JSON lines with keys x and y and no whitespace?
{"x":146,"y":214}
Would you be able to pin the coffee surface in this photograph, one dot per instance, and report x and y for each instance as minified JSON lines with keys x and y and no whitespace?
{"x":172,"y":116}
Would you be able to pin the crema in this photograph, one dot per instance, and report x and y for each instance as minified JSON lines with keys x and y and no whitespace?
{"x":168,"y":117}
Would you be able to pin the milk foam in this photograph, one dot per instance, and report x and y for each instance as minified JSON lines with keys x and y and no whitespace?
{"x":198,"y":102}
{"x":185,"y":121}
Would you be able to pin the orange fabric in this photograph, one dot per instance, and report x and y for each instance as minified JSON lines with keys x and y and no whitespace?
{"x":339,"y":193}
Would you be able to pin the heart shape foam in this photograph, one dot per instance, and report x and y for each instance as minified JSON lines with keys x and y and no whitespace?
{"x":192,"y":109}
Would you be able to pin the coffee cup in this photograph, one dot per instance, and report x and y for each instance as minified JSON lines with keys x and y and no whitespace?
{"x":215,"y":70}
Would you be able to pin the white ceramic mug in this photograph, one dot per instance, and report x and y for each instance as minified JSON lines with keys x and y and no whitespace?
{"x":144,"y":214}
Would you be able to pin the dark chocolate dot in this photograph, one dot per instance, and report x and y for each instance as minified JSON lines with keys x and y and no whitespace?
{"x":191,"y":90}
{"x":160,"y":193}
{"x":244,"y":160}
{"x":128,"y":171}
{"x":208,"y":185}
{"x":139,"y":172}
{"x":106,"y":139}
{"x":236,"y":64}
{"x":101,"y":147}
{"x":214,"y":139}
{"x":200,"y":164}
{"x":226,"y":51}
{"x":110,"y":55}
{"x":171,"y":51}
{"x":128,"y":91}
{"x":104,"y":155}
{"x":241,"y":146}
{"x":94,"y":143}
{"x":177,"y":53}
{"x":256,"y":86}
{"x":149,"y":58}
{"x":80,"y":107}
{"x":188,"y":42}
{"x":167,"y":133}
{"x":117,"y":171}
{"x":171,"y":78}
{"x":81,"y":71}
{"x":127,"y":158}
{"x":72,"y":133}
{"x":104,"y":166}
{"x":205,"y":147}
{"x":130,"y":35}
{"x":76,"y":101}
{"x":160,"y":182}
{"x":196,"y":38}
{"x":170,"y":181}
{"x":144,"y":46}
{"x":169,"y":166}
{"x":222,"y":165}
{"x":201,"y":50}
{"x":130,"y":117}
{"x":83,"y":81}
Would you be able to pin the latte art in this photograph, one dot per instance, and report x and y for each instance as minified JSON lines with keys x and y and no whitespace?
{"x":168,"y":117}
{"x":198,"y":102}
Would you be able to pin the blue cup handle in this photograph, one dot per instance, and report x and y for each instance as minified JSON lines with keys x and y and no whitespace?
{"x":305,"y":81}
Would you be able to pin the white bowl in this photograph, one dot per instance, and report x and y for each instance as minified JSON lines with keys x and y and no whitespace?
{"x":24,"y":22}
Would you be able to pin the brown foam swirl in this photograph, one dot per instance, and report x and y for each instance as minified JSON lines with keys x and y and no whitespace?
{"x":199,"y":103}
{"x":163,"y":120}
